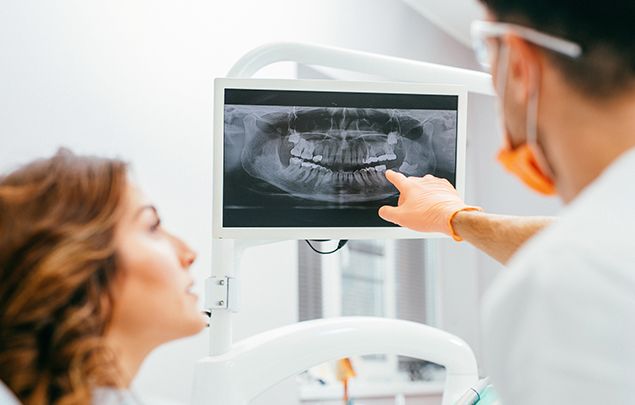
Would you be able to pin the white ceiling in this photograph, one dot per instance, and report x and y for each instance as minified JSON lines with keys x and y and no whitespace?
{"x":452,"y":16}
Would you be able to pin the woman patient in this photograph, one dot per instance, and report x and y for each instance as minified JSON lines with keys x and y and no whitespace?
{"x":90,"y":282}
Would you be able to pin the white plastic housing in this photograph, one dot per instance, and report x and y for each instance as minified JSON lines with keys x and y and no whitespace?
{"x":255,"y":364}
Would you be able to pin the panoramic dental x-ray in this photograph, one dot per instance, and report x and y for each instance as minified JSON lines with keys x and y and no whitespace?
{"x":295,"y":155}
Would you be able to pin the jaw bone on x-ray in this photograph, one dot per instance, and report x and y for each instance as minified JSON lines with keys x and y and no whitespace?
{"x":331,"y":157}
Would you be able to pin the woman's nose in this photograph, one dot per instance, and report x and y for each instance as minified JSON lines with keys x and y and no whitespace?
{"x":187,"y":256}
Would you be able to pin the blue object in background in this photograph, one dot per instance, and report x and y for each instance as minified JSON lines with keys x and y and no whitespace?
{"x":488,"y":397}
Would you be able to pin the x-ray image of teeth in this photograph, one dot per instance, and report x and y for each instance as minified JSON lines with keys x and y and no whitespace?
{"x":336,"y":155}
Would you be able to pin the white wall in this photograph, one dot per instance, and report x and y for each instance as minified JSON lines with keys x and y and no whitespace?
{"x":134,"y":79}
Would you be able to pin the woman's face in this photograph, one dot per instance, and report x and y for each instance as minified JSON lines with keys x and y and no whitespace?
{"x":152,"y":298}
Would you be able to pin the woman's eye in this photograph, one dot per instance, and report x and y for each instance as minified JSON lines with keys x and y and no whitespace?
{"x":155,"y":226}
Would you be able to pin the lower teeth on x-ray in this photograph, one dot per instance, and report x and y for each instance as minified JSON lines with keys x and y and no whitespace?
{"x":330,"y":157}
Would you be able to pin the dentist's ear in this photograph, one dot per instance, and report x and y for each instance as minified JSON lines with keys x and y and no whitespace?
{"x":525,"y":63}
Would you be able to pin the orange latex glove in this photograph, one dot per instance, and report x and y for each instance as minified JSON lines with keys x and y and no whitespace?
{"x":426,"y":204}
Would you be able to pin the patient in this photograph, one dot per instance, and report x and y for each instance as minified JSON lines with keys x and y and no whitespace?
{"x":90,"y":282}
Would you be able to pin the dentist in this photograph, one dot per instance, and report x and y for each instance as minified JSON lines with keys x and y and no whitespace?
{"x":559,"y":323}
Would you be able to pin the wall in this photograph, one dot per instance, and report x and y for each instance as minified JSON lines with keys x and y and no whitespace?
{"x":134,"y":79}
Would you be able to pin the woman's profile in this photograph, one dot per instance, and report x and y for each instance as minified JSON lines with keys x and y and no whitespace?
{"x":85,"y":267}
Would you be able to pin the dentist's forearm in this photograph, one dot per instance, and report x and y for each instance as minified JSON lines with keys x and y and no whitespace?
{"x":499,"y":236}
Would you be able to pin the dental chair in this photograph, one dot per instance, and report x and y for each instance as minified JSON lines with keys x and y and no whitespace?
{"x":255,"y":364}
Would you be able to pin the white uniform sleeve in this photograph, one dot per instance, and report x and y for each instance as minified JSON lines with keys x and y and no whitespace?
{"x":560,"y":329}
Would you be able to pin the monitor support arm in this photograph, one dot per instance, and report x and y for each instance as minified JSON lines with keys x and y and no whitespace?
{"x":392,"y":68}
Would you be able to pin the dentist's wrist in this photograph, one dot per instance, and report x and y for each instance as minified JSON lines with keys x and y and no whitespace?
{"x":457,"y":219}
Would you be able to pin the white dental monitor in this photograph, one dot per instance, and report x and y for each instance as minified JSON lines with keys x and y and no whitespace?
{"x":306,"y":159}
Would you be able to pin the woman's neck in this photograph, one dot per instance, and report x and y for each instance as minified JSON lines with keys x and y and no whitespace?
{"x":130,"y":352}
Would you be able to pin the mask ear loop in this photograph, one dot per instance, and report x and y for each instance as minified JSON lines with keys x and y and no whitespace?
{"x":503,"y":65}
{"x":532,"y":131}
{"x":501,"y":87}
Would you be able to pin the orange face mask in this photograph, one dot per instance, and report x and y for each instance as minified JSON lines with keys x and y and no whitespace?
{"x":522,"y":162}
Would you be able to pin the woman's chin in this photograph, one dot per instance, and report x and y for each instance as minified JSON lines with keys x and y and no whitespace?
{"x":197,"y":324}
{"x":197,"y":321}
{"x":190,"y":324}
{"x":202,"y":323}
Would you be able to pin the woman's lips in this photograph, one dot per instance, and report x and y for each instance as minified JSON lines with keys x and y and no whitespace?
{"x":189,"y":290}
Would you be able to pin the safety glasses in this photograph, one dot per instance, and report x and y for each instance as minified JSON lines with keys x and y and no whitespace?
{"x":482,"y":31}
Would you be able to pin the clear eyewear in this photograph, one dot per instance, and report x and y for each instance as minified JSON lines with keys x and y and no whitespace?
{"x":483,"y":30}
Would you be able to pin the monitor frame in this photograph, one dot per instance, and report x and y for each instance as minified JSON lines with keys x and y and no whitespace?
{"x":267,"y":233}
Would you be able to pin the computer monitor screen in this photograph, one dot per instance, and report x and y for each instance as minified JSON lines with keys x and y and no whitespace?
{"x":316,"y":158}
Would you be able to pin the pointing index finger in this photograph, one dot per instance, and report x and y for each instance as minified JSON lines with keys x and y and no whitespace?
{"x":396,"y":178}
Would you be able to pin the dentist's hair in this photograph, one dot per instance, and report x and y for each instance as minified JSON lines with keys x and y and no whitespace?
{"x":57,"y":263}
{"x":604,"y":30}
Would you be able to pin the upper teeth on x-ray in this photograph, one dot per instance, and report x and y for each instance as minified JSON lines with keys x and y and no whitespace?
{"x":337,"y":154}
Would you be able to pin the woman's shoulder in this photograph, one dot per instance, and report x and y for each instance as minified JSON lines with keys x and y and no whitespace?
{"x":114,"y":396}
{"x":6,"y":396}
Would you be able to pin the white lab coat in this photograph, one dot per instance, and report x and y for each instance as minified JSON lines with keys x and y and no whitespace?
{"x":559,"y":324}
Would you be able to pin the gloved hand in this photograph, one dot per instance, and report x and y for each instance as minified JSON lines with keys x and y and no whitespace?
{"x":426,"y":204}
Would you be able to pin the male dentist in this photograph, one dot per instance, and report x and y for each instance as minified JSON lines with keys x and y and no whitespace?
{"x":559,"y":324}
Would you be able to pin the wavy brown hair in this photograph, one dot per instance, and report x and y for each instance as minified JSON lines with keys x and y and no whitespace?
{"x":57,"y":263}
